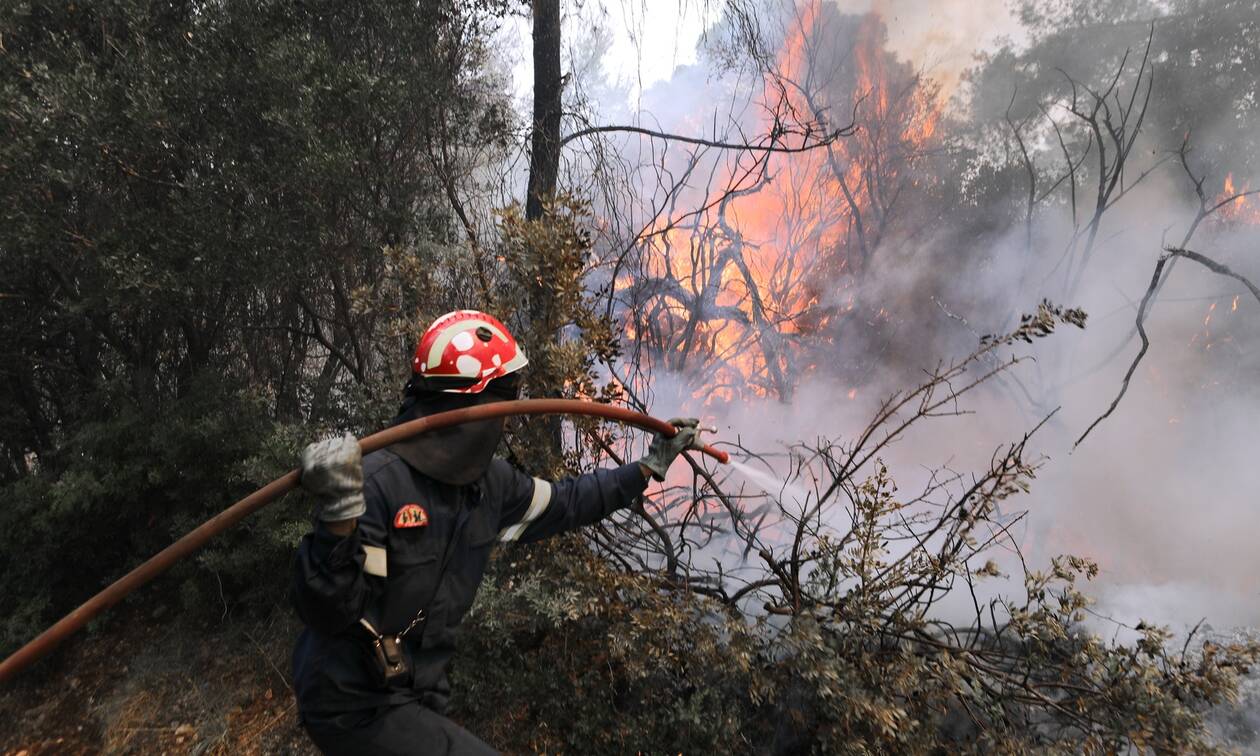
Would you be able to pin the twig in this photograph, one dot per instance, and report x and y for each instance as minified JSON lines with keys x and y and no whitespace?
{"x":773,"y":138}
{"x":1144,"y":309}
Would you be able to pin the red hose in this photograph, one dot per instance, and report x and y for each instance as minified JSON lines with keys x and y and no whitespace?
{"x":46,"y":641}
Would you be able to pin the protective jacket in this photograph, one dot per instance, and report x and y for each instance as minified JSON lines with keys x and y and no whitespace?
{"x":421,"y":545}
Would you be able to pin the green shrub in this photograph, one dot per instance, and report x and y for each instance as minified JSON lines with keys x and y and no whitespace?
{"x":561,"y":653}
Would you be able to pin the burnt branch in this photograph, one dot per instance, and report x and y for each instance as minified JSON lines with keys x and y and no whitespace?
{"x":1148,"y":300}
{"x":772,"y":142}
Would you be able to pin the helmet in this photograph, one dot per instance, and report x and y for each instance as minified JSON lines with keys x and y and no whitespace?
{"x":463,"y":351}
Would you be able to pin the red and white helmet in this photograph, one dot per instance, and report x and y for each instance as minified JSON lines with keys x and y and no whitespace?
{"x":463,"y":351}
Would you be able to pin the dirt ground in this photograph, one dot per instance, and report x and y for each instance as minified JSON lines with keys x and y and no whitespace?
{"x":142,"y":685}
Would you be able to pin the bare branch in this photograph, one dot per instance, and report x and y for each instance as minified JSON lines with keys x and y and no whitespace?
{"x":1144,"y":310}
{"x":770,"y":143}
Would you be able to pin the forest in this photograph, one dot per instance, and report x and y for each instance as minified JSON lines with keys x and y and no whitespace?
{"x":978,"y":322}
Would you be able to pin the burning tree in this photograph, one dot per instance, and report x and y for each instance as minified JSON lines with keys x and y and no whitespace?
{"x":750,"y":261}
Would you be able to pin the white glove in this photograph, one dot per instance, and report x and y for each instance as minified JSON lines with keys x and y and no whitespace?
{"x":332,"y":471}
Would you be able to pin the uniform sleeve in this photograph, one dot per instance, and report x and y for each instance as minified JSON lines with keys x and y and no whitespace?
{"x":333,"y":575}
{"x":533,"y":509}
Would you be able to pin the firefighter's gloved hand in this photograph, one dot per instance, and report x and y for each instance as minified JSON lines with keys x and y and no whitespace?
{"x":332,"y":471}
{"x":664,"y":451}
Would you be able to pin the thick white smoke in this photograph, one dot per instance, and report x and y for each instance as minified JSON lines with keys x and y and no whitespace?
{"x":1164,"y":494}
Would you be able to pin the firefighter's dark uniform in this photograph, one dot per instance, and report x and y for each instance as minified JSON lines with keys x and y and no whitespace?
{"x":381,"y":575}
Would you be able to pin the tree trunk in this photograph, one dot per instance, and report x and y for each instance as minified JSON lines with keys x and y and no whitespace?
{"x":544,"y":171}
{"x":544,"y":157}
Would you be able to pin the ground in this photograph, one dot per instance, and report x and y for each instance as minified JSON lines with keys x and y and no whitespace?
{"x":143,"y":684}
{"x":145,"y":681}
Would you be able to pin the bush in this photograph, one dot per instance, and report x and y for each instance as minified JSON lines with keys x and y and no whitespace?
{"x":562,"y":653}
{"x":212,"y":224}
{"x":847,"y":652}
{"x":128,"y":481}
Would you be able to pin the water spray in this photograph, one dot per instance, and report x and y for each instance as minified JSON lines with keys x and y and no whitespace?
{"x":48,"y":640}
{"x":771,"y":483}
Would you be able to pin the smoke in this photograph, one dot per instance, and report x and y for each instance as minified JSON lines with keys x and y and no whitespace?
{"x":941,"y":38}
{"x":1163,"y":494}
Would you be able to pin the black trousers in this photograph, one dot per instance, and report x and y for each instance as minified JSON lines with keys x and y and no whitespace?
{"x":406,"y":730}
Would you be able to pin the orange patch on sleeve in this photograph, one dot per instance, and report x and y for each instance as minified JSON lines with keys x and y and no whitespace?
{"x":411,"y":516}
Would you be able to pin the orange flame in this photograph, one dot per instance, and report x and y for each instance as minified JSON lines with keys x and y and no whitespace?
{"x":769,"y":260}
{"x":1240,"y":204}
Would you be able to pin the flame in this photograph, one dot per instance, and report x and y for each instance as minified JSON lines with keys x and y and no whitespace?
{"x":1205,"y":335}
{"x":768,"y":268}
{"x":1240,"y":204}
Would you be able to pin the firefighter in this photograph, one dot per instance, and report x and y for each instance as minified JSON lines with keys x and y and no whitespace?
{"x":402,"y":538}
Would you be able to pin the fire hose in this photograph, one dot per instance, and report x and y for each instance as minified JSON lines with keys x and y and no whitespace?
{"x":48,"y":640}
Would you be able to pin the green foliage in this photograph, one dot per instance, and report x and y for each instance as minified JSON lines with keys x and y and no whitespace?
{"x":563,"y":654}
{"x":127,"y":481}
{"x":560,"y":321}
{"x":194,"y":189}
{"x":211,"y":219}
{"x":1206,"y":61}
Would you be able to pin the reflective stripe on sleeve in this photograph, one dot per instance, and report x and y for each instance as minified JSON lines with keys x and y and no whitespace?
{"x":375,"y":562}
{"x":537,"y":505}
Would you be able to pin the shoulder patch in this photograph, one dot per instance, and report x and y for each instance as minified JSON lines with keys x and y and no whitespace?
{"x":411,"y":516}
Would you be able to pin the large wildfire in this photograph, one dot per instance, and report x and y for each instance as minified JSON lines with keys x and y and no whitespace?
{"x":754,"y":274}
{"x":777,"y":274}
{"x":740,"y":296}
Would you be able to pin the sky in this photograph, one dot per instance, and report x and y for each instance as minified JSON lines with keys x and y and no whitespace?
{"x":651,"y":38}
